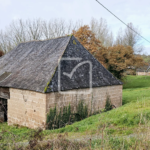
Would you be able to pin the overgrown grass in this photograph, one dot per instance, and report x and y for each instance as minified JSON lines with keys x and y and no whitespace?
{"x":13,"y":133}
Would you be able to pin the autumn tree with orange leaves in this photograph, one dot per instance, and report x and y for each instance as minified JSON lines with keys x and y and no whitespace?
{"x":117,"y":59}
{"x":121,"y":58}
{"x":87,"y":38}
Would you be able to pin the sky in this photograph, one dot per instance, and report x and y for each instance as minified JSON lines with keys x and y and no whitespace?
{"x":133,"y":11}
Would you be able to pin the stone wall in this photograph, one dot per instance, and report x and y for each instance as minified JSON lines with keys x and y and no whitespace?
{"x":95,"y":101}
{"x":30,"y":109}
{"x":26,"y":108}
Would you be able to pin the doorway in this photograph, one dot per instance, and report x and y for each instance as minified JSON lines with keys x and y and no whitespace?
{"x":3,"y":110}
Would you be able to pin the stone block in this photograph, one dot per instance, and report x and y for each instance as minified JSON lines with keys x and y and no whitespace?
{"x":39,"y":104}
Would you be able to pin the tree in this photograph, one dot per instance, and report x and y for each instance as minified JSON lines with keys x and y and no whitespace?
{"x":87,"y":38}
{"x":129,"y":38}
{"x":117,"y":59}
{"x":121,"y":58}
{"x":28,"y":30}
{"x":102,"y":31}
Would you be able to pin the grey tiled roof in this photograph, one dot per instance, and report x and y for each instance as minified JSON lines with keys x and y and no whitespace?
{"x":34,"y":66}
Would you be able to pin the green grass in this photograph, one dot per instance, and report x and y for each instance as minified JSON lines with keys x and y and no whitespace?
{"x":121,"y":121}
{"x":135,"y":88}
{"x":14,"y":132}
{"x":132,"y":82}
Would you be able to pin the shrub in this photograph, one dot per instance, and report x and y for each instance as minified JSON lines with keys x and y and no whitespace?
{"x":59,"y":119}
{"x":108,"y":105}
{"x":82,"y":111}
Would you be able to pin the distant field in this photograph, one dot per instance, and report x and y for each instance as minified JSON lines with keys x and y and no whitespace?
{"x":133,"y":118}
{"x":131,"y":82}
{"x":135,"y":88}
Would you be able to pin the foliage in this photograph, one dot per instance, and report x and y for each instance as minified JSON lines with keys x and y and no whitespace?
{"x":57,"y":119}
{"x":128,"y":37}
{"x":88,"y":39}
{"x":108,"y":105}
{"x":146,"y":58}
{"x":82,"y":111}
{"x":102,"y":31}
{"x":121,"y":58}
{"x":117,"y":59}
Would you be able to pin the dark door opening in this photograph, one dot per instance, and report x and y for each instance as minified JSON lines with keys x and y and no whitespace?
{"x":3,"y":110}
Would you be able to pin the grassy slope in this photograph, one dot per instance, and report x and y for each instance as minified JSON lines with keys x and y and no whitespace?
{"x":136,"y":100}
{"x":135,"y":88}
{"x":132,"y":82}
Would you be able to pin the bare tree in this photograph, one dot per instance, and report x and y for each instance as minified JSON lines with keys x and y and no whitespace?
{"x":102,"y":31}
{"x":129,"y":38}
{"x":34,"y":29}
{"x":5,"y":42}
{"x":119,"y":38}
{"x":59,"y":27}
{"x":23,"y":31}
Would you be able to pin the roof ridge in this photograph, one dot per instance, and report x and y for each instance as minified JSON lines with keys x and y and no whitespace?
{"x":45,"y":39}
{"x":45,"y":89}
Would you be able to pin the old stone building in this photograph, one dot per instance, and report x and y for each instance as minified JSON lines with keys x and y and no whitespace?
{"x":39,"y":75}
{"x":143,"y":71}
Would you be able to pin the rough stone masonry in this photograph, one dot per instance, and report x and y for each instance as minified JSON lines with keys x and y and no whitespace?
{"x":30,"y":109}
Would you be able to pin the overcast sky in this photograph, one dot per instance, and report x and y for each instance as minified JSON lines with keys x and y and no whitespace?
{"x":133,"y":11}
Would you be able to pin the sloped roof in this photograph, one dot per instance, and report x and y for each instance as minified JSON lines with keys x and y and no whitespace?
{"x":143,"y":68}
{"x":81,"y":77}
{"x":34,"y":66}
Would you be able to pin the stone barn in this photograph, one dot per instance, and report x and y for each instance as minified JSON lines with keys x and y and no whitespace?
{"x":143,"y":71}
{"x":39,"y":75}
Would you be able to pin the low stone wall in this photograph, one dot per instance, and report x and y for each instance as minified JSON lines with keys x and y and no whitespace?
{"x":30,"y":109}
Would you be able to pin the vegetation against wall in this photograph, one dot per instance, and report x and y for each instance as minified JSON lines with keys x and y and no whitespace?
{"x":108,"y":105}
{"x":60,"y":118}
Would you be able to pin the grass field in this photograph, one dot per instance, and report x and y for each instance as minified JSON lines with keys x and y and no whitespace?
{"x":133,"y":118}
